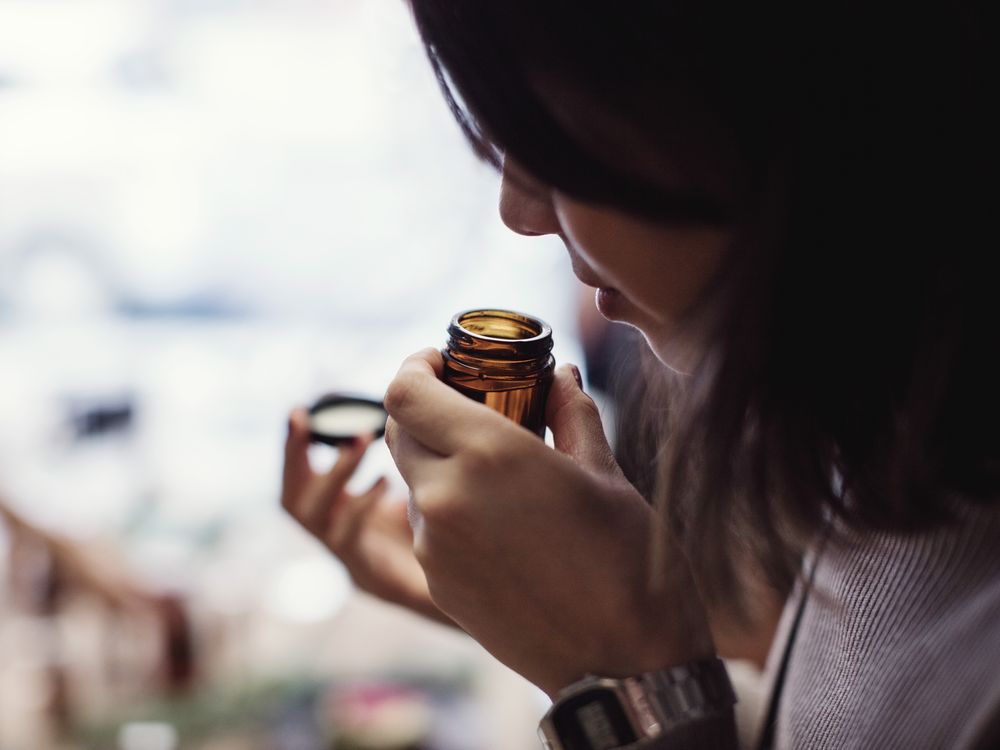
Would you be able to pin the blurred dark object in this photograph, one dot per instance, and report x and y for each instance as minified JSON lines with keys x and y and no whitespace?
{"x":337,"y":419}
{"x":178,"y":654}
{"x":95,"y":417}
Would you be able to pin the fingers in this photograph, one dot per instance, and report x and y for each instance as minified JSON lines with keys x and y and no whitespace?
{"x":576,"y":424}
{"x":297,"y":472}
{"x":435,"y":415}
{"x":414,"y":460}
{"x":433,"y":358}
{"x":347,"y":523}
{"x":319,"y":501}
{"x":417,"y":464}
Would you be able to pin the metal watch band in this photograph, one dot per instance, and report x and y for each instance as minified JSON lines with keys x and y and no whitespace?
{"x":677,"y":695}
{"x":651,"y":703}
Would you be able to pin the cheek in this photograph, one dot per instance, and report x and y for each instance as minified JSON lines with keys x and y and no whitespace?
{"x":664,"y":270}
{"x":677,"y":273}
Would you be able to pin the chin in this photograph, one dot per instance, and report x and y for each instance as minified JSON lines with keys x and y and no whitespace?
{"x":674,"y":354}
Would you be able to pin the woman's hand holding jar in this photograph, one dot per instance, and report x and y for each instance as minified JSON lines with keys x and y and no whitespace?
{"x":542,"y":555}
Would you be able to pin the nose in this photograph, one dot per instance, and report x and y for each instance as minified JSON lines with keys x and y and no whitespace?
{"x":526,"y":204}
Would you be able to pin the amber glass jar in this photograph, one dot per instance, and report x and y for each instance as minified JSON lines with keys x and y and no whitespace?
{"x":502,"y":359}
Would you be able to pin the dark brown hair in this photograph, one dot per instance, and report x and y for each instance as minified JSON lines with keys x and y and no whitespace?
{"x":852,"y":370}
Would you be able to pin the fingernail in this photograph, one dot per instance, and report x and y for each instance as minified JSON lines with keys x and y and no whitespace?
{"x":576,"y":376}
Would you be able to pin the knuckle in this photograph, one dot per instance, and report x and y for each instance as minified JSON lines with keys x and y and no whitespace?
{"x":422,"y":550}
{"x":582,"y":406}
{"x":391,"y":435}
{"x":400,"y":393}
{"x":437,"y":507}
{"x":426,"y":501}
{"x":481,"y":455}
{"x":589,"y":406}
{"x":435,"y":571}
{"x":429,"y":353}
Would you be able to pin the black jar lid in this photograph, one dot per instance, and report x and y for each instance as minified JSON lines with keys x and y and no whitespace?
{"x":337,"y":419}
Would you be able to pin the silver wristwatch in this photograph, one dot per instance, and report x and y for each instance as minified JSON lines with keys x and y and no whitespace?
{"x":603,"y":713}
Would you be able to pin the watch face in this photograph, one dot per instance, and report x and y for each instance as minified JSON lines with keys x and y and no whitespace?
{"x":593,"y":720}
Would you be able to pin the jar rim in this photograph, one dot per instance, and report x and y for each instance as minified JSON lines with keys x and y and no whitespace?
{"x":543,"y":328}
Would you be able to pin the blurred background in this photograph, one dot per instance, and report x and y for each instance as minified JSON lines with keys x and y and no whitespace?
{"x":212,"y":211}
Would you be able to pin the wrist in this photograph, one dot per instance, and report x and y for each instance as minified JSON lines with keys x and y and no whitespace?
{"x":644,"y":641}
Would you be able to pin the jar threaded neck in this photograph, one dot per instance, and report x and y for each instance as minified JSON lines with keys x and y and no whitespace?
{"x":500,"y":335}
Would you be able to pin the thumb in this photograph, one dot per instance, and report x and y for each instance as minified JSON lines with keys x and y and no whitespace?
{"x":576,"y":425}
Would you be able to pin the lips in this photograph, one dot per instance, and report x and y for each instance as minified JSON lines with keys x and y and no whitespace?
{"x":609,"y":303}
{"x":608,"y":300}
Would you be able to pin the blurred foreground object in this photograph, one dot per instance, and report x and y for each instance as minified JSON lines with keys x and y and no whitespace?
{"x":378,"y":717}
{"x":147,"y":735}
{"x":86,"y":634}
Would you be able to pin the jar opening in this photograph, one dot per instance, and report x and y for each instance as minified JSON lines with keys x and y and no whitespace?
{"x":502,"y":324}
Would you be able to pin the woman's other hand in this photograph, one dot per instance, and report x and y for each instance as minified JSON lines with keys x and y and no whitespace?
{"x":368,"y":532}
{"x":541,"y":555}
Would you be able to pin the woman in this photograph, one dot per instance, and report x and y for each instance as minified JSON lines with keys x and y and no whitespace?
{"x":787,"y":204}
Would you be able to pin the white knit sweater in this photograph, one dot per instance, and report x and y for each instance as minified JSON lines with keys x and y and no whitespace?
{"x":898,"y":647}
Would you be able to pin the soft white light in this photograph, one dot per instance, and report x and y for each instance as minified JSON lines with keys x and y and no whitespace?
{"x":149,"y":735}
{"x":58,"y":285}
{"x":307,"y":590}
{"x":59,"y":41}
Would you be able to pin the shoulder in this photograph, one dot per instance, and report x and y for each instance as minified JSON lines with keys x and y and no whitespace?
{"x":900,"y":640}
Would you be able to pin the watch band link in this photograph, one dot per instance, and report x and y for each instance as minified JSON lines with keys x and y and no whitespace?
{"x":681,"y":694}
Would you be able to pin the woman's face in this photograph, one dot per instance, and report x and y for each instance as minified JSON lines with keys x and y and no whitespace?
{"x":649,"y":275}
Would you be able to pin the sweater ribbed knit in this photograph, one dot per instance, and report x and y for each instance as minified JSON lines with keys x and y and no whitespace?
{"x":898,"y":646}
